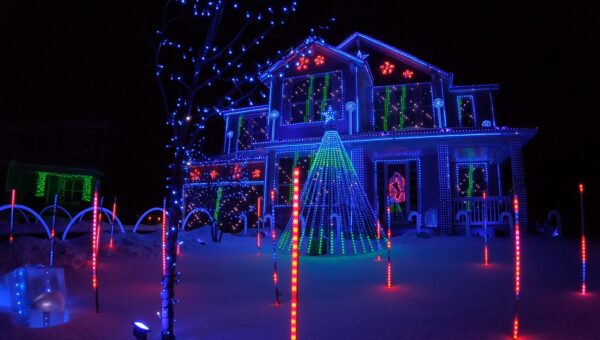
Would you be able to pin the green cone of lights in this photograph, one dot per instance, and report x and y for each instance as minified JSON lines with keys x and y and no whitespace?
{"x":338,"y":218}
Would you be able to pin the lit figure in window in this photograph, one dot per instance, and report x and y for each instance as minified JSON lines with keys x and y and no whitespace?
{"x":397,"y":192}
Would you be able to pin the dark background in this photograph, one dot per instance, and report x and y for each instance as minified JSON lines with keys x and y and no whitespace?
{"x":92,"y":60}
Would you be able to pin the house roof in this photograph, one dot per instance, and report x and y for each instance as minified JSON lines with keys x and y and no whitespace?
{"x":390,"y":50}
{"x":299,"y":50}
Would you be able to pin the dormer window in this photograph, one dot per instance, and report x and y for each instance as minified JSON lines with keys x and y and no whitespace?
{"x":305,"y":97}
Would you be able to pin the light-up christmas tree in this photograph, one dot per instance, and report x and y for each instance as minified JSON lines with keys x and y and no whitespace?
{"x":337,"y":216}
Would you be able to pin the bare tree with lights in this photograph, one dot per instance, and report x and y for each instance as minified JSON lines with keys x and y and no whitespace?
{"x":203,"y":66}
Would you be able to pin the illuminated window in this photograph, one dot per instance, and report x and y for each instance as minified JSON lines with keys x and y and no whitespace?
{"x":467,"y":116}
{"x":403,"y":106}
{"x":285,"y":167}
{"x":252,"y":129}
{"x":471,"y":179}
{"x":305,"y":97}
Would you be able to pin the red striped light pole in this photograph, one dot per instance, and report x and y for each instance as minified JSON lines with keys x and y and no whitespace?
{"x":112,"y":223}
{"x":583,"y":245}
{"x":13,"y":201}
{"x":95,"y":232}
{"x":164,"y":237}
{"x":274,"y":237}
{"x":517,"y":268}
{"x":52,"y":232}
{"x":259,"y":215}
{"x":485,"y":233}
{"x":389,"y":249}
{"x":378,"y":239}
{"x":295,"y":255}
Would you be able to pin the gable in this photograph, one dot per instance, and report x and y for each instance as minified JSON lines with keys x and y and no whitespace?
{"x":383,"y":52}
{"x":312,"y":57}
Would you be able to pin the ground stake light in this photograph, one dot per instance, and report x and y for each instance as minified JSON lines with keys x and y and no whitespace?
{"x":259,"y":215}
{"x":295,"y":256}
{"x":95,"y":232}
{"x":164,"y":237}
{"x":583,"y":245}
{"x":485,"y":232}
{"x":274,"y":237}
{"x":389,"y":249}
{"x":13,"y":199}
{"x":517,"y":268}
{"x":52,"y":232}
{"x":112,"y":222}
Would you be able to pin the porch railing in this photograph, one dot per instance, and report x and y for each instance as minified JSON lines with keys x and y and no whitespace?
{"x":496,"y":205}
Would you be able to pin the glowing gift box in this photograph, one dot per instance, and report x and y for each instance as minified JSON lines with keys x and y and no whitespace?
{"x":35,"y":295}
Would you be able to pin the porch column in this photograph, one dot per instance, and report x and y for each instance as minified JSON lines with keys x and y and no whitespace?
{"x":445,"y":194}
{"x":518,"y":181}
{"x":357,"y":156}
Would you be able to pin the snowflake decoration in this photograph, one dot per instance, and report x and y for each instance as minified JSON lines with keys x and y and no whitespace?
{"x":214,"y":174}
{"x":407,"y":74}
{"x":195,"y":174}
{"x":387,"y":68}
{"x":302,"y":64}
{"x":319,"y":60}
{"x":237,"y":171}
{"x":256,"y":173}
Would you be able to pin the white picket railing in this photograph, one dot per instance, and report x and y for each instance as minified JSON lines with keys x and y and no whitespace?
{"x":496,"y":205}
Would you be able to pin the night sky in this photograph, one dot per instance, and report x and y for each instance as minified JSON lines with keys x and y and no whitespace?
{"x":92,"y":61}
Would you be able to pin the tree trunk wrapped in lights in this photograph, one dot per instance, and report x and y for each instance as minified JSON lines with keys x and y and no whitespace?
{"x":202,"y":67}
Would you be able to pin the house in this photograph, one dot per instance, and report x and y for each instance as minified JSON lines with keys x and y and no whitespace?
{"x":46,"y":158}
{"x":421,"y":146}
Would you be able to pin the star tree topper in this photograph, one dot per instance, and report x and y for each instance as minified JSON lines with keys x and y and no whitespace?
{"x":328,"y":117}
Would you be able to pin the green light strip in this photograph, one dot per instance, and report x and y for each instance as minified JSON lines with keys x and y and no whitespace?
{"x":239,"y":129}
{"x":218,"y":204}
{"x":325,"y":93}
{"x":309,"y":99}
{"x":402,"y":106}
{"x":470,"y":185}
{"x":386,"y":107}
{"x":40,"y":186}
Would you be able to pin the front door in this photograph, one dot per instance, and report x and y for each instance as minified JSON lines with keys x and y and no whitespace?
{"x":396,"y":189}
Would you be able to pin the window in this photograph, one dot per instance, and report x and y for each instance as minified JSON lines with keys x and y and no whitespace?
{"x":285,"y":167}
{"x":71,"y":190}
{"x":251,"y":130}
{"x":467,"y":116}
{"x":305,"y":97}
{"x":403,"y":106}
{"x":471,"y":179}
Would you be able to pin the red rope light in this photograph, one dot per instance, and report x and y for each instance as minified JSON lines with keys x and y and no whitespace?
{"x":259,"y":215}
{"x":485,"y":236}
{"x":114,"y":213}
{"x":517,"y":250}
{"x":95,"y":242}
{"x":583,"y":243}
{"x":517,"y":268}
{"x":164,"y":237}
{"x":13,"y":201}
{"x":295,"y":256}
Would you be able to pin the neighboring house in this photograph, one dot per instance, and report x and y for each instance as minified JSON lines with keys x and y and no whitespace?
{"x":418,"y":142}
{"x":61,"y":158}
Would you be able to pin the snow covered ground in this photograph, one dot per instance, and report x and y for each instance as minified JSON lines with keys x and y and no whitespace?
{"x":441,"y":290}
